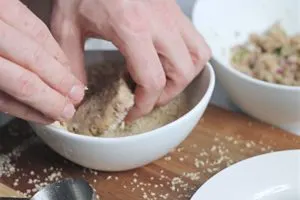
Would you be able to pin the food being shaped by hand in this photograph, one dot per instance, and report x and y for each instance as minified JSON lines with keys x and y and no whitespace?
{"x":107,"y":101}
{"x":109,"y":98}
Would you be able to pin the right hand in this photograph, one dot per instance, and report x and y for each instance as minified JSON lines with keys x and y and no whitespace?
{"x":36,"y":83}
{"x":163,"y":50}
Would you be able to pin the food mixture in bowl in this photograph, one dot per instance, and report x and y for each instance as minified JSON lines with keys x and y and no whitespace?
{"x":272,"y":57}
{"x":108,"y":99}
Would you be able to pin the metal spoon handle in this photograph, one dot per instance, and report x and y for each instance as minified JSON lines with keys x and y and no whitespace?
{"x":13,"y":198}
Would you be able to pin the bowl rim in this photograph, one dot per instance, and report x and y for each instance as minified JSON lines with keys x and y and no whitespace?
{"x":241,"y":75}
{"x":206,"y":97}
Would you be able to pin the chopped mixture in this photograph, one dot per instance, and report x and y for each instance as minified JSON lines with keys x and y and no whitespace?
{"x":156,"y":119}
{"x":107,"y":101}
{"x":272,"y":57}
{"x":109,"y":98}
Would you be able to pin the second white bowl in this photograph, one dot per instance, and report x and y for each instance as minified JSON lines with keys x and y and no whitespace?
{"x":226,"y":23}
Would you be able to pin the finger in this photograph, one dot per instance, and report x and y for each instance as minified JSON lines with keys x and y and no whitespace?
{"x":68,"y":34}
{"x":177,"y":64}
{"x":198,"y":48}
{"x":29,"y":89}
{"x":145,"y":69}
{"x":17,"y":15}
{"x":30,"y":55}
{"x":10,"y":106}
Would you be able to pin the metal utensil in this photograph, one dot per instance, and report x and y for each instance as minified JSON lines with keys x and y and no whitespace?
{"x":68,"y":189}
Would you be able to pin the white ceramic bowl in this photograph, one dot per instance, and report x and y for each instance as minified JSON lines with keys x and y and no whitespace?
{"x":226,"y":23}
{"x":124,"y":153}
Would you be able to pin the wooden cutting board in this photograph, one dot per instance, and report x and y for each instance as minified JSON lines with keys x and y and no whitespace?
{"x":5,"y":191}
{"x":220,"y":139}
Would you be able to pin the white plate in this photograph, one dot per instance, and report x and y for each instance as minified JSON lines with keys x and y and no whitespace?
{"x":273,"y":176}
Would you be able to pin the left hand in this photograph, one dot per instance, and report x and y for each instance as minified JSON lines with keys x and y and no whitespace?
{"x":163,"y":51}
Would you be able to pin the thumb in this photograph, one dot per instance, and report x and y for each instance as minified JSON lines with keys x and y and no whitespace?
{"x":67,"y":32}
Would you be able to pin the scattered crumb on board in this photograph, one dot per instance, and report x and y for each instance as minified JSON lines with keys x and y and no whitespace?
{"x":209,"y":160}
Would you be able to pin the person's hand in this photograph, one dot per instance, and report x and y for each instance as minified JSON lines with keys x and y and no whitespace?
{"x":35,"y":79}
{"x":163,"y":51}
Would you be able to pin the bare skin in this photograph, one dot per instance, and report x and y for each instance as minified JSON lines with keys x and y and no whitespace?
{"x":36,"y":83}
{"x":163,"y":50}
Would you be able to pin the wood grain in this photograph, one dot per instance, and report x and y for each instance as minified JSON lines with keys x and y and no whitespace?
{"x":220,"y":139}
{"x":8,"y":192}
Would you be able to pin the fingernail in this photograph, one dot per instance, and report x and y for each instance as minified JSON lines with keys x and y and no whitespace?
{"x":68,"y":112}
{"x":76,"y":93}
